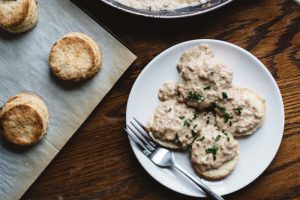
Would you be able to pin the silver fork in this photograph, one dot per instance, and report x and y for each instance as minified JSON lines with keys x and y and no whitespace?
{"x":162,"y":157}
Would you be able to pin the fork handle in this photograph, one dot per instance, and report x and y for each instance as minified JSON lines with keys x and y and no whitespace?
{"x":211,"y":194}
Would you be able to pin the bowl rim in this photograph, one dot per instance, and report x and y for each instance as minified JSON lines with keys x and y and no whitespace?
{"x":165,"y":14}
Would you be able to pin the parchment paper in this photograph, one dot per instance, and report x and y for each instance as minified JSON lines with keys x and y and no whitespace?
{"x":24,"y":67}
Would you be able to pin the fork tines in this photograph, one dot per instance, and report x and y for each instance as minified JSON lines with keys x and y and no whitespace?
{"x":140,"y":136}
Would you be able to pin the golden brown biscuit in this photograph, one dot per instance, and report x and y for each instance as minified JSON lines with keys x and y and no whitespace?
{"x":242,"y":113}
{"x":18,"y":16}
{"x":214,"y":154}
{"x":174,"y":125}
{"x":24,"y":119}
{"x":75,"y":57}
{"x":219,"y":173}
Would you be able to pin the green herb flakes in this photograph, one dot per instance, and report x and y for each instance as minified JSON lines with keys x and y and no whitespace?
{"x":196,"y":96}
{"x":224,"y":95}
{"x":190,"y":147}
{"x":227,"y":117}
{"x":186,"y":123}
{"x":238,"y":110}
{"x":195,"y":115}
{"x":213,"y":150}
{"x":218,"y":138}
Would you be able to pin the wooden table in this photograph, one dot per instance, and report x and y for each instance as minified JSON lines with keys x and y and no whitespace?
{"x":97,"y":163}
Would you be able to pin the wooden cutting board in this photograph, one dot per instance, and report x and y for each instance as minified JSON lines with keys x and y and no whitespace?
{"x":24,"y":67}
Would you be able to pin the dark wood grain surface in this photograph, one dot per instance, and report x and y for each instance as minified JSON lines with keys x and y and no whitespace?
{"x":97,"y":163}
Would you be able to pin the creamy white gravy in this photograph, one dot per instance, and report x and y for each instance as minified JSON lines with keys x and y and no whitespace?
{"x":202,"y":77}
{"x":182,"y":115}
{"x":213,"y":148}
{"x":175,"y":122}
{"x":168,"y":91}
{"x":241,"y":113}
{"x":161,"y":4}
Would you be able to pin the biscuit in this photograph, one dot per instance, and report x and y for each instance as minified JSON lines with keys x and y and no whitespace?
{"x":24,"y":119}
{"x":202,"y":77}
{"x":219,"y":173}
{"x":174,"y":125}
{"x":166,"y":144}
{"x":96,"y":49}
{"x":214,"y":154}
{"x":242,"y":113}
{"x":18,"y":16}
{"x":75,"y":57}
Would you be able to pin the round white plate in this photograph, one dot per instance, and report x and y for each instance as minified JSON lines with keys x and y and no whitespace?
{"x":256,"y":151}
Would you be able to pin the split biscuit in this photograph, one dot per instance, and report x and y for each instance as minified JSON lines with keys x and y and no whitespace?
{"x":24,"y":119}
{"x":202,"y":77}
{"x":75,"y":57}
{"x":18,"y":16}
{"x":214,"y":154}
{"x":175,"y":125}
{"x":242,"y":113}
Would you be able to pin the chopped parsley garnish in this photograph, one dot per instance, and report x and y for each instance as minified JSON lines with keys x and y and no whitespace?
{"x":218,"y":138}
{"x":207,"y":87}
{"x":227,"y":116}
{"x":224,"y":95}
{"x":169,"y":109}
{"x":186,"y":123}
{"x":228,"y":139}
{"x":181,"y":117}
{"x":238,"y":110}
{"x":201,"y":139}
{"x":195,"y":115}
{"x":190,"y":147}
{"x":222,"y":109}
{"x":196,"y":96}
{"x":195,"y":126}
{"x":213,"y":150}
{"x":230,"y":123}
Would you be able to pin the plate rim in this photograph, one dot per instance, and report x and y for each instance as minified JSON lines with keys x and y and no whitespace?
{"x":138,"y":12}
{"x":282,"y":110}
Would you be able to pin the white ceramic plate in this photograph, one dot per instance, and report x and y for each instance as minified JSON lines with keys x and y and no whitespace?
{"x":256,"y":151}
